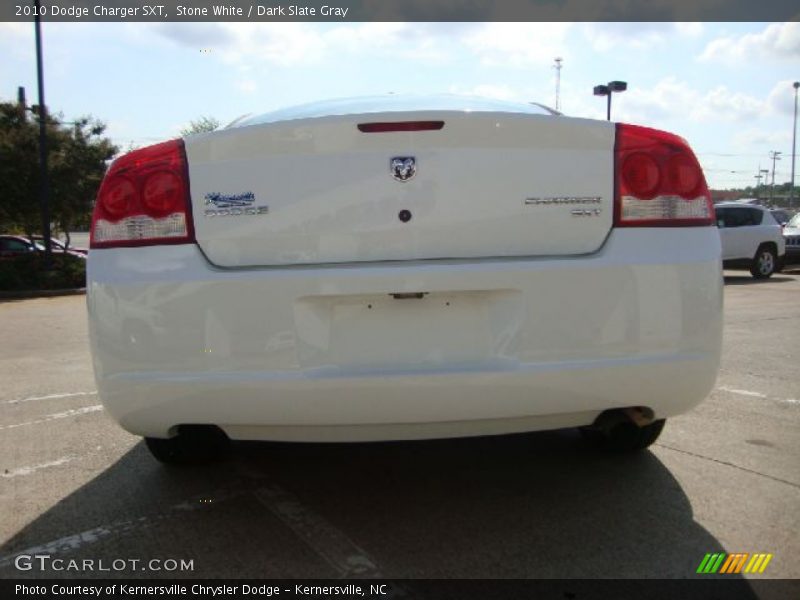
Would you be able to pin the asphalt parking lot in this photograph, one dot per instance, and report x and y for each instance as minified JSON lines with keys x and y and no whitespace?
{"x":724,"y":477}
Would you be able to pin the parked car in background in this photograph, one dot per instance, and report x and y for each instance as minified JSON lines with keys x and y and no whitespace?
{"x":782,"y":217}
{"x":17,"y":245}
{"x":12,"y":246}
{"x":402,"y":268}
{"x":791,"y":235}
{"x":751,"y":238}
{"x":59,"y":246}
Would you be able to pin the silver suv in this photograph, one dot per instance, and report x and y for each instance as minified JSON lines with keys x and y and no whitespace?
{"x":751,"y":238}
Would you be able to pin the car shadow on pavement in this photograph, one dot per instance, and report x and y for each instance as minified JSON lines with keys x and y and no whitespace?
{"x":542,"y":505}
{"x":749,"y":280}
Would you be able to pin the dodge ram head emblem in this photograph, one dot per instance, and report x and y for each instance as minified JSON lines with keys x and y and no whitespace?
{"x":404,"y":167}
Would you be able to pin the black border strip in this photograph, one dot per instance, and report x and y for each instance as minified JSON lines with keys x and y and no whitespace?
{"x":729,"y":588}
{"x":339,"y":11}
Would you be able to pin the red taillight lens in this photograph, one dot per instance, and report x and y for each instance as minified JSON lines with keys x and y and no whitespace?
{"x":684,"y":174}
{"x":641,"y":175}
{"x":144,"y":199}
{"x":162,"y":193}
{"x":659,"y":182}
{"x":120,"y":193}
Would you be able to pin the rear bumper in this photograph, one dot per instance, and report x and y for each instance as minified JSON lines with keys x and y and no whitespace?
{"x":326,"y":354}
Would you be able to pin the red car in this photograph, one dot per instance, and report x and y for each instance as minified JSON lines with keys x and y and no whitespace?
{"x":15,"y":245}
{"x":58,"y":246}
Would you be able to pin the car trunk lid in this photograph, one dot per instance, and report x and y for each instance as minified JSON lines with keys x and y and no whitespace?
{"x":324,"y":190}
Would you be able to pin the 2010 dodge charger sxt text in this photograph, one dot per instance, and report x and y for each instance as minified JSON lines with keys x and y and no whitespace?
{"x":404,"y":268}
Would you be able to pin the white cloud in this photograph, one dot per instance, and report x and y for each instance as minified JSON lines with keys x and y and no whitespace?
{"x":585,"y":105}
{"x":16,"y":29}
{"x":16,"y":42}
{"x":672,"y":99}
{"x":248,"y":86}
{"x":352,"y":38}
{"x":518,"y":44}
{"x":537,"y":44}
{"x":669,"y":98}
{"x":201,"y":35}
{"x":690,"y":29}
{"x":301,"y":44}
{"x":284,"y":44}
{"x":486,"y":90}
{"x":781,"y":98}
{"x":418,"y":41}
{"x":722,"y":104}
{"x":776,"y":41}
{"x":607,"y":36}
{"x":751,"y":137}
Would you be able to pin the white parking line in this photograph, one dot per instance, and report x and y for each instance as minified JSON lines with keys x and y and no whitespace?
{"x":62,"y":415}
{"x":742,"y":392}
{"x":327,"y":541}
{"x":22,"y":471}
{"x":752,"y":394}
{"x":50,"y":397}
{"x":75,"y":541}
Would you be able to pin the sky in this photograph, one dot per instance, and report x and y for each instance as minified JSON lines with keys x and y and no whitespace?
{"x":725,"y":87}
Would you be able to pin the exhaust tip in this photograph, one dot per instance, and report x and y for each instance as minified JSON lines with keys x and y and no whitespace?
{"x":640,"y":416}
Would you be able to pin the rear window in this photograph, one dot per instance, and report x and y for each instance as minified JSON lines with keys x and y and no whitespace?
{"x":735,"y":216}
{"x":781,"y":216}
{"x":394,"y":103}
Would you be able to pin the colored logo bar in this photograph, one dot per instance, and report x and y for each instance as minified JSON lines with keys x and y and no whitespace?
{"x":739,"y":562}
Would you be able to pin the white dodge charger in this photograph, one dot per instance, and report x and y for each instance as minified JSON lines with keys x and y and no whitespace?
{"x":404,"y":268}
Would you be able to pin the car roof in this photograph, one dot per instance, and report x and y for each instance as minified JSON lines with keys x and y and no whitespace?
{"x":729,"y":203}
{"x":394,"y":103}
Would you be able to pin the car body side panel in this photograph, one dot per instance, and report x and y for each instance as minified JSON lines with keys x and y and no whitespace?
{"x":729,"y":241}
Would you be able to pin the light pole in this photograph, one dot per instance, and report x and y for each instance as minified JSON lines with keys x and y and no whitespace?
{"x":774,"y":155}
{"x":44,"y":190}
{"x":558,"y":64}
{"x":762,"y":174}
{"x":607,"y":90}
{"x":795,"y":85}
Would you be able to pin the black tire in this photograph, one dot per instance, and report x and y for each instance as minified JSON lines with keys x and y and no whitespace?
{"x":192,"y":445}
{"x":764,"y":264}
{"x":625,"y":436}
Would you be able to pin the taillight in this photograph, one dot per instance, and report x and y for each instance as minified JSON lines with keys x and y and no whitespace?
{"x":144,"y":199}
{"x":659,"y":182}
{"x":394,"y":126}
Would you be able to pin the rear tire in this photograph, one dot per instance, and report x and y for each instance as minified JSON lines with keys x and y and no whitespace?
{"x":194,"y":444}
{"x":624,"y":436}
{"x":764,"y":264}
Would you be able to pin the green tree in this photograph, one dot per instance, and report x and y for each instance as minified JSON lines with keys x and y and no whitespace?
{"x":19,"y":172}
{"x":201,"y":125}
{"x":77,"y":171}
{"x":77,"y":159}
